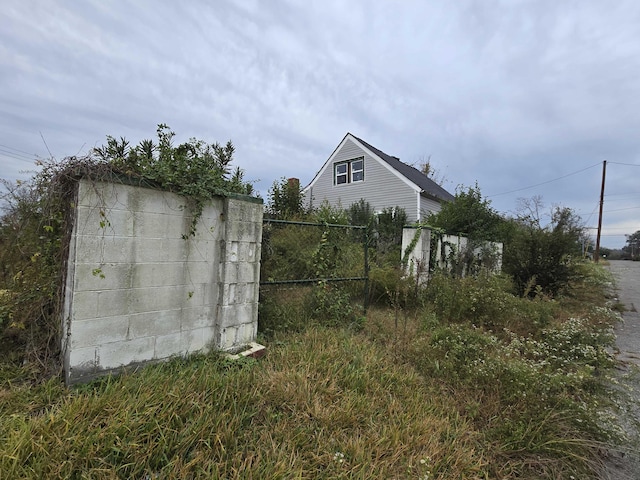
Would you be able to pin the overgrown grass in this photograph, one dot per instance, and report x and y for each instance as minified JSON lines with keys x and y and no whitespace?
{"x":531,"y":374}
{"x":513,"y":389}
{"x":324,"y":404}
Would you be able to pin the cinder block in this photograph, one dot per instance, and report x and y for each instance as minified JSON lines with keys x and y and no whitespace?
{"x":169,"y":345}
{"x":199,"y":317}
{"x":94,"y":332}
{"x":118,"y":354}
{"x":197,"y":340}
{"x":114,"y":302}
{"x":149,"y":250}
{"x":83,"y":305}
{"x":196,"y":272}
{"x":244,"y":294}
{"x":108,"y":249}
{"x":195,"y":295}
{"x":158,"y":225}
{"x":247,"y":272}
{"x":247,"y":232}
{"x":229,"y":294}
{"x":96,"y":276}
{"x":236,"y":314}
{"x":227,"y":338}
{"x":152,"y":299}
{"x":85,"y":358}
{"x":90,"y":222}
{"x":103,"y":194}
{"x":246,"y":333}
{"x":211,"y":292}
{"x":233,"y":210}
{"x":158,"y":323}
{"x":115,"y":222}
{"x":228,"y":273}
{"x":157,"y":274}
{"x":199,"y":250}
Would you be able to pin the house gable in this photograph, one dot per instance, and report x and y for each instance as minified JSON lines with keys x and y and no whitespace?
{"x":345,"y":151}
{"x":385,"y":182}
{"x":412,"y":175}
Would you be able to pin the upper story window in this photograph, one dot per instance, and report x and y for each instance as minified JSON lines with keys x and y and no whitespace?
{"x":349,"y":171}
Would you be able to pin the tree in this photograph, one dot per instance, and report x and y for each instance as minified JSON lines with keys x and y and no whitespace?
{"x":427,"y":168}
{"x":469,"y":215}
{"x":632,"y":248}
{"x":194,"y":168}
{"x":543,"y":256}
{"x":286,"y":199}
{"x":37,"y":214}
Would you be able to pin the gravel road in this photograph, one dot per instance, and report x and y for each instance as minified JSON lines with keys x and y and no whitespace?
{"x":625,"y":465}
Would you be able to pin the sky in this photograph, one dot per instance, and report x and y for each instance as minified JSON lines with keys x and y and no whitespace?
{"x":523,"y":98}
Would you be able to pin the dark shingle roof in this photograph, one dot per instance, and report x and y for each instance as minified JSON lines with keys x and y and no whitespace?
{"x":413,"y":174}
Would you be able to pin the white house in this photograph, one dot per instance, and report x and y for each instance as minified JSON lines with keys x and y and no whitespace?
{"x":356,"y":170}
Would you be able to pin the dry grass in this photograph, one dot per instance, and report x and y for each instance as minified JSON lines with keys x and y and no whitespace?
{"x":408,"y":396}
{"x":323,"y":404}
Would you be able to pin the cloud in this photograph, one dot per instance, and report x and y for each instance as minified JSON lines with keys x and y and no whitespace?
{"x":506,"y":93}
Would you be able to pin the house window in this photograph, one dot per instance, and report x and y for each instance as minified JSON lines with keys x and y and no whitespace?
{"x":349,"y":172}
{"x":342,"y":173}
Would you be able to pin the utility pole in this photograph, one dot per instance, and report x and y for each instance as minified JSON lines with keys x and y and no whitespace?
{"x":596,"y":254}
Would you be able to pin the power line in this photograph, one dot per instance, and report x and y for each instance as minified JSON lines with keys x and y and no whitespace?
{"x":31,"y":161}
{"x":15,"y":154}
{"x":609,"y":228}
{"x":544,"y":183}
{"x":621,"y":196}
{"x":627,"y":164}
{"x":18,"y":150}
{"x":591,"y":214}
{"x":621,"y":209}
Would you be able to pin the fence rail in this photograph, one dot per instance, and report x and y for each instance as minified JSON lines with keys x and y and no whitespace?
{"x":365,"y":244}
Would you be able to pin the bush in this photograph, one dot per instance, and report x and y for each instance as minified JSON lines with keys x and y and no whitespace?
{"x":484,"y":300}
{"x":36,"y":224}
{"x":287,"y":252}
{"x":543,"y":256}
{"x":284,"y":309}
{"x":286,"y":200}
{"x":534,"y":397}
{"x":389,"y":286}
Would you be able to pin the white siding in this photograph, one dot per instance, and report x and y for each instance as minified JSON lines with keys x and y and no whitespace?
{"x":427,"y":206}
{"x":381,"y":187}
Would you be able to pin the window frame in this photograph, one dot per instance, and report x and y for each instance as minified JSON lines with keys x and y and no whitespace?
{"x":350,"y":173}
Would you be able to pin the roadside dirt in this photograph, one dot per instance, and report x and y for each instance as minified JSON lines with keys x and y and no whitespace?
{"x":624,"y":463}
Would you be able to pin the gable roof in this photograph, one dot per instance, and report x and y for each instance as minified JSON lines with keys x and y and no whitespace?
{"x":412,"y":174}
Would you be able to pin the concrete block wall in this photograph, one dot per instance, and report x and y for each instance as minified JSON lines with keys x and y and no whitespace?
{"x":239,"y":273}
{"x":418,"y":259}
{"x":138,"y":291}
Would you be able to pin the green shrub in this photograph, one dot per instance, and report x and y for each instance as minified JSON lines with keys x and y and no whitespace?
{"x":389,"y":286}
{"x":331,"y":305}
{"x":487,"y":301}
{"x":284,"y":309}
{"x":286,"y":200}
{"x":287,"y":252}
{"x":483,"y":300}
{"x":36,"y":224}
{"x":544,"y":256}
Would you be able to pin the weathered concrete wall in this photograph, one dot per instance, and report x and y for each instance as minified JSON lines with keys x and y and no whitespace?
{"x":448,"y":250}
{"x":417,"y":258}
{"x":140,"y":289}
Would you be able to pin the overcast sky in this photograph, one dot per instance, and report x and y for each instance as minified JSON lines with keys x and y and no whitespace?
{"x":509,"y":94}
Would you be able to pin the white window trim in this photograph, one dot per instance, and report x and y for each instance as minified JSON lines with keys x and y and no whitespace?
{"x":349,"y":173}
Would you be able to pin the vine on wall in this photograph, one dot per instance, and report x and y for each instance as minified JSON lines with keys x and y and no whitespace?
{"x":37,"y":217}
